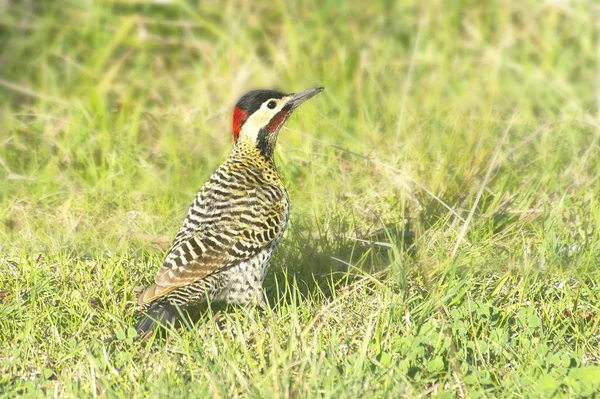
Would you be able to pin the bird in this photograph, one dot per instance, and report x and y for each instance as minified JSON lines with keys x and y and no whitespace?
{"x":235,"y":222}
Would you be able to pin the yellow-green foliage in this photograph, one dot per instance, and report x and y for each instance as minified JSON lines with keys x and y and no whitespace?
{"x":445,"y":196}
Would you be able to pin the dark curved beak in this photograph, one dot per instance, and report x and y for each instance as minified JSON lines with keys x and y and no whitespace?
{"x":301,"y":96}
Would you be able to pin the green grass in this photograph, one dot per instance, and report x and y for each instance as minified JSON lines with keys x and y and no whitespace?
{"x":474,"y":125}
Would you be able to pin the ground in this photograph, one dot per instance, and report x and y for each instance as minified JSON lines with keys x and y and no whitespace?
{"x":444,"y":237}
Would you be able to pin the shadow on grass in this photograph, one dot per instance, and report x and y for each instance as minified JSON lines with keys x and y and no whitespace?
{"x":315,"y":267}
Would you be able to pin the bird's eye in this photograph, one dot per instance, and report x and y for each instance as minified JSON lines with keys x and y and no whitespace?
{"x":272,"y":104}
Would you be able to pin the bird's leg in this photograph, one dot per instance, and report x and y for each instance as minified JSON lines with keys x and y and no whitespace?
{"x":262,"y":304}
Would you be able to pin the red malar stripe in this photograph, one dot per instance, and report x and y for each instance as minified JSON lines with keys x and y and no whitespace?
{"x":277,"y":120}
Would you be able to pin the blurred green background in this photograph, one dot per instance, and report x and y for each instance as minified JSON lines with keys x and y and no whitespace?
{"x":454,"y":156}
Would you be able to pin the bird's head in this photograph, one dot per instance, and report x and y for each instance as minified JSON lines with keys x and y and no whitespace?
{"x":259,"y":115}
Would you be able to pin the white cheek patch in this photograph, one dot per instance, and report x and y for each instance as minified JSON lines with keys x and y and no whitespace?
{"x":260,"y":119}
{"x":256,"y":121}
